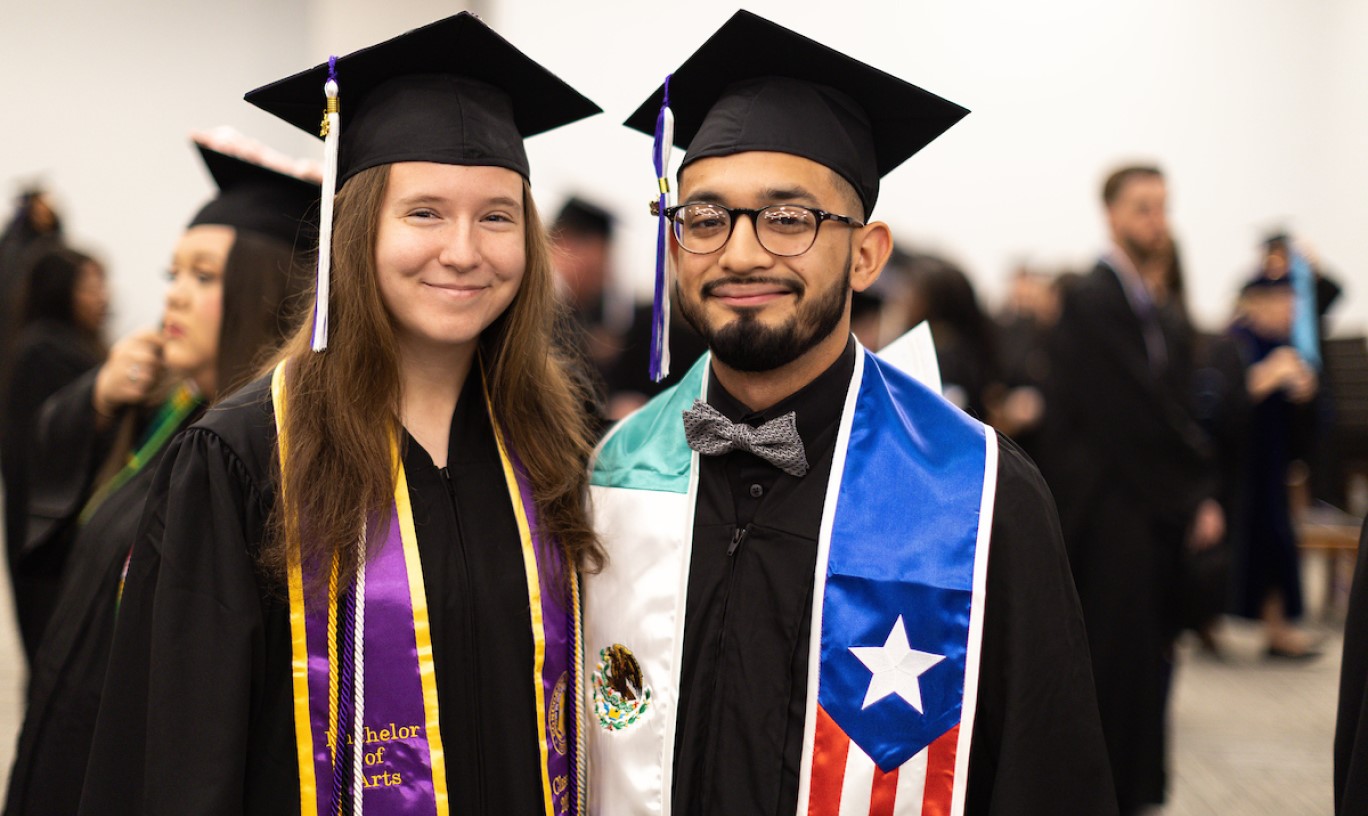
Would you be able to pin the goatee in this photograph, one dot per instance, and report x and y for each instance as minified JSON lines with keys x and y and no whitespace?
{"x":747,"y":344}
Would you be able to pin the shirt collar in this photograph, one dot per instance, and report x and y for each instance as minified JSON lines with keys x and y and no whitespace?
{"x":1131,"y":282}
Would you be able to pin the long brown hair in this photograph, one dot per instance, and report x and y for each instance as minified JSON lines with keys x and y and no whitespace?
{"x":344,"y":403}
{"x":263,"y":286}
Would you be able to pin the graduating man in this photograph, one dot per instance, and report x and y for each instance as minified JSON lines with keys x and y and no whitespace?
{"x":829,"y":591}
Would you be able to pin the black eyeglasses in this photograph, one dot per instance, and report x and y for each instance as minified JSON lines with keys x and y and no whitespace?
{"x":782,"y":229}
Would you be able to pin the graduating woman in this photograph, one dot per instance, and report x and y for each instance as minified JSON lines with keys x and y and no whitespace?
{"x":354,"y":587}
{"x":230,"y":298}
{"x":63,"y":301}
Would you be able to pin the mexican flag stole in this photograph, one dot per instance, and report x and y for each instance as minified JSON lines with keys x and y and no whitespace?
{"x":898,"y":600}
{"x":363,"y":666}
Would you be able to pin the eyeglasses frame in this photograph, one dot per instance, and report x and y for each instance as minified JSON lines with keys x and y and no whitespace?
{"x":822,"y":217}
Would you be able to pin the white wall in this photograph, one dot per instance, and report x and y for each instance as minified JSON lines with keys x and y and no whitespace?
{"x":1255,"y":107}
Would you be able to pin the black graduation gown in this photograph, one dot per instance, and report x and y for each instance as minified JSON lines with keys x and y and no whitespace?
{"x":197,"y":714}
{"x":1351,"y":726}
{"x":69,"y":669}
{"x":1037,"y":745}
{"x":1128,"y":464}
{"x":48,"y":356}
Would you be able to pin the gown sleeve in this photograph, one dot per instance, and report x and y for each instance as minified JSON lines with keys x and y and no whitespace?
{"x":68,"y":449}
{"x":1351,"y":727}
{"x":182,"y":688}
{"x":1037,"y":746}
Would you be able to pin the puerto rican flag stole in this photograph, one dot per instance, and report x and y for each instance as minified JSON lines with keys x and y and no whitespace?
{"x":898,"y":599}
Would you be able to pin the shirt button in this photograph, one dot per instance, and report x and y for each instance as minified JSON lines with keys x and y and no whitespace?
{"x":757,"y":491}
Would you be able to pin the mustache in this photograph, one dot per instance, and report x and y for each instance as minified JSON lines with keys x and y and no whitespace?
{"x":796,"y":287}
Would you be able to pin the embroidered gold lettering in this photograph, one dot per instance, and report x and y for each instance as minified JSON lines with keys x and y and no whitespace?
{"x":375,"y":758}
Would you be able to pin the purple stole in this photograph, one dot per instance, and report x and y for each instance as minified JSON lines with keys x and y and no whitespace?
{"x":362,"y":666}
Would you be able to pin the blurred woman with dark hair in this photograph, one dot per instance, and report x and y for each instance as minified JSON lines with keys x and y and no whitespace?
{"x":229,"y":303}
{"x":63,"y":303}
{"x":965,"y":344}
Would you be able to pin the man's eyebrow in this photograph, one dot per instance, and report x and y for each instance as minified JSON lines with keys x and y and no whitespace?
{"x":794,"y":193}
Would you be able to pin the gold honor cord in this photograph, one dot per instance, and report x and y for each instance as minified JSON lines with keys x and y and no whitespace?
{"x":534,"y":596}
{"x":422,"y":631}
{"x":299,"y":642}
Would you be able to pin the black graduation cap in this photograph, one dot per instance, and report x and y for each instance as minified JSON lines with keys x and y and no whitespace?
{"x":259,"y":199}
{"x":451,"y":92}
{"x":1265,"y":283}
{"x":584,"y":217}
{"x":755,"y":85}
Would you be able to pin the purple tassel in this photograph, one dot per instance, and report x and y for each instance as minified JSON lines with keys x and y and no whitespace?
{"x":659,"y":331}
{"x":332,"y":68}
{"x":346,"y":705}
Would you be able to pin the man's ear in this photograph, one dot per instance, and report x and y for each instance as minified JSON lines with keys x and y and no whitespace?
{"x":873,"y":246}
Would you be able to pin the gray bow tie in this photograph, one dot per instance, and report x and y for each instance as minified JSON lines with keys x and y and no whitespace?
{"x":776,"y":441}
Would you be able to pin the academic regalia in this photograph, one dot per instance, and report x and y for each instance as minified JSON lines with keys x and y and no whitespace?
{"x":742,"y":690}
{"x":200,"y":675}
{"x":89,"y":504}
{"x":733,"y":638}
{"x":48,"y":356}
{"x":69,"y":670}
{"x":1351,"y":726}
{"x":244,"y":687}
{"x":1128,"y":465}
{"x":1255,"y":444}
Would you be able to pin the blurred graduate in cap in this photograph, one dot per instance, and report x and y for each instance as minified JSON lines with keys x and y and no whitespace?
{"x":355,"y":589}
{"x":828,"y":590}
{"x":63,"y":302}
{"x":231,"y":299}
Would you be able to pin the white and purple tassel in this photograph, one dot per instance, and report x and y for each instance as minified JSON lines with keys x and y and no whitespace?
{"x":331,"y":132}
{"x":660,"y":307}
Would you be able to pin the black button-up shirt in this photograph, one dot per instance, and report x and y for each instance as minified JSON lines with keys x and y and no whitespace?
{"x":743,"y":686}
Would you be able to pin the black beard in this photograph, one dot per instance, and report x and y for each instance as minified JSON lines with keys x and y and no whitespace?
{"x":746,"y":344}
{"x":1139,"y":255}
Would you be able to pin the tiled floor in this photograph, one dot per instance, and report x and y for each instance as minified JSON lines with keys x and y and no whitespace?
{"x":1250,"y":737}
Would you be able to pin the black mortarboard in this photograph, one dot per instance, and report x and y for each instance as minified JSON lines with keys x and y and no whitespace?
{"x":1266,"y":283}
{"x":585,"y":217}
{"x":1276,"y":238}
{"x":452,"y":92}
{"x":755,"y":85}
{"x":259,"y":199}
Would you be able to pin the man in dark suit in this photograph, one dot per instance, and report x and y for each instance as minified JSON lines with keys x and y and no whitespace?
{"x":1128,"y":466}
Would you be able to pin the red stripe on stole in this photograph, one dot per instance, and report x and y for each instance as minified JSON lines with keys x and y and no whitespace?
{"x":830,"y":747}
{"x":884,"y":795}
{"x":940,"y":774}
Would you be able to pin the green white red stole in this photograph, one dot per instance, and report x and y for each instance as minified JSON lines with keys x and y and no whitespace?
{"x":897,"y":614}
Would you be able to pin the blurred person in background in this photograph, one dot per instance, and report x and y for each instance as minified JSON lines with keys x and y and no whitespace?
{"x":1129,"y":467}
{"x":1282,"y":256}
{"x":1259,"y":391}
{"x":64,"y":302}
{"x":966,"y":347}
{"x":34,"y":221}
{"x":1023,"y":327}
{"x":231,"y":297}
{"x":582,"y":242}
